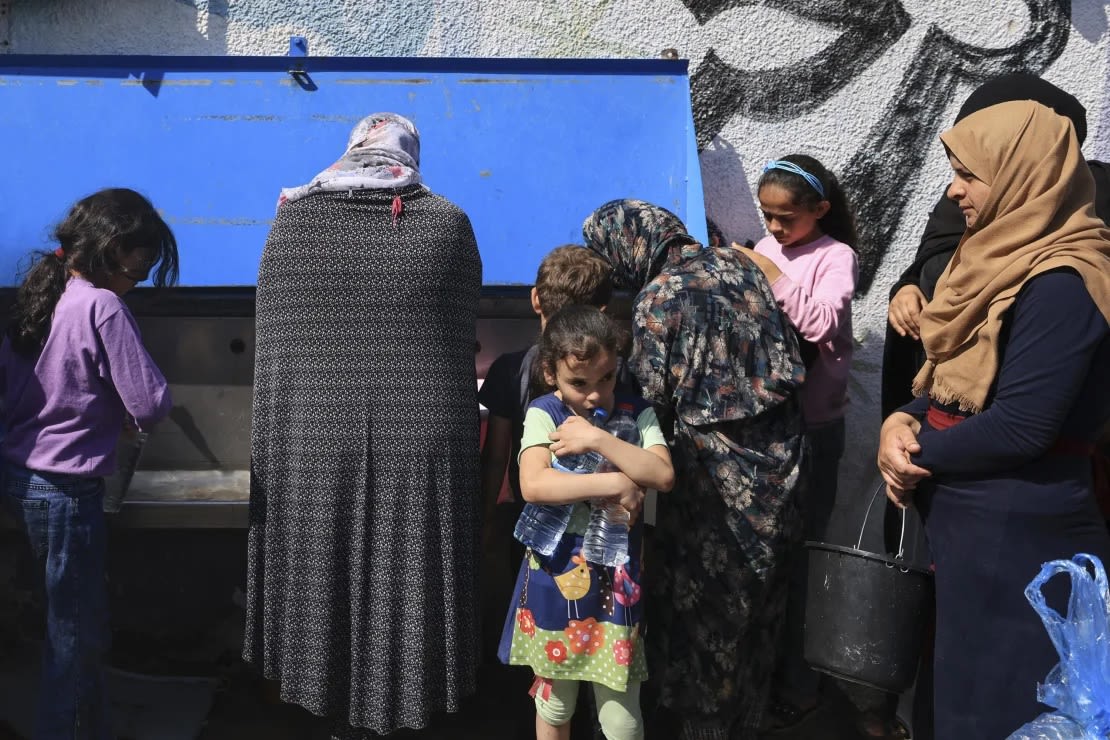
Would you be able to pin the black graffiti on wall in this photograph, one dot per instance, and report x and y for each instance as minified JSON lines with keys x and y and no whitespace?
{"x":879,"y":177}
{"x":866,"y":29}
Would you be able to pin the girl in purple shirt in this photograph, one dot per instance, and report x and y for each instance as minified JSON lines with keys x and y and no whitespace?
{"x":73,"y":371}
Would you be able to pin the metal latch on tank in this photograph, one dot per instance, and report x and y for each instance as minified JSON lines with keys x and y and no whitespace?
{"x":298,"y":49}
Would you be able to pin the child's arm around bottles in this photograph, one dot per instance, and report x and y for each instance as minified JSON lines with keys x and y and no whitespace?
{"x":647,"y":467}
{"x":542,"y":484}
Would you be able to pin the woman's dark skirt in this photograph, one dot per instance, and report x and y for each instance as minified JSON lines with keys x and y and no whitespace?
{"x":989,"y":538}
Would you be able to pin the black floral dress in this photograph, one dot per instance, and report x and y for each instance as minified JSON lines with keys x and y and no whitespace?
{"x":715,"y":354}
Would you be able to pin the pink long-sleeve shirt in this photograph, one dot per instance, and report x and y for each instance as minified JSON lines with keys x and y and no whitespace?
{"x":815,"y":291}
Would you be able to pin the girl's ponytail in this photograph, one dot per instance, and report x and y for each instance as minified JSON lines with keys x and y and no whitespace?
{"x":35,"y":301}
{"x":840,"y":221}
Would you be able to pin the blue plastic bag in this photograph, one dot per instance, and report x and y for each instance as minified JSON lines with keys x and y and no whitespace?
{"x":1079,"y":686}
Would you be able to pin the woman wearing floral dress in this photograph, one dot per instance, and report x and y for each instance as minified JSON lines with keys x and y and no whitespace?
{"x":717,"y":357}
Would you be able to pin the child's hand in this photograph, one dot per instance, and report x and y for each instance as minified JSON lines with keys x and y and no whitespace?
{"x":575,"y":436}
{"x":770,"y":270}
{"x":631,"y":499}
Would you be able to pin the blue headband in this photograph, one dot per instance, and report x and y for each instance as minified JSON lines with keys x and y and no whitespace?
{"x":781,"y":164}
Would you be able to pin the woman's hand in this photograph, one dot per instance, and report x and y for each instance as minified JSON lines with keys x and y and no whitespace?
{"x":770,"y":270}
{"x":897,"y":441}
{"x":898,"y":497}
{"x":905,"y":310}
{"x":575,"y":436}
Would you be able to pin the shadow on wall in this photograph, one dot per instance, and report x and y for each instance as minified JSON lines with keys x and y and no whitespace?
{"x":178,"y":27}
{"x":209,"y":30}
{"x":733,"y":211}
{"x":201,"y":27}
{"x":1090,"y":20}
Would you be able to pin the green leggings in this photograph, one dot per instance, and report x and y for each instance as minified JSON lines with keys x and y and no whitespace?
{"x":618,"y":711}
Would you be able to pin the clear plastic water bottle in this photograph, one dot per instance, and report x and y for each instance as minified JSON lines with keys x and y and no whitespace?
{"x":541,"y":526}
{"x":606,"y":539}
{"x":586,"y":462}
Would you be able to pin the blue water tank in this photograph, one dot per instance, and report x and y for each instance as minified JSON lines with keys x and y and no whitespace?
{"x":527,"y":147}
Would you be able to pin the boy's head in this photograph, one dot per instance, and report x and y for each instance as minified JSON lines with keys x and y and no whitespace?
{"x":571,"y":275}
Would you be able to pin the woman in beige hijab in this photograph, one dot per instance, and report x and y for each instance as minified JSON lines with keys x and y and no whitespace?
{"x":995,"y":451}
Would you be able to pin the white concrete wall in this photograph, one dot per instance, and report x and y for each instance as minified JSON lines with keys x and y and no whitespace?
{"x":769,"y":77}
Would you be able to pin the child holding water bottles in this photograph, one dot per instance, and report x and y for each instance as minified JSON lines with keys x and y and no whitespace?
{"x":571,"y":619}
{"x":73,"y":371}
{"x":809,"y":259}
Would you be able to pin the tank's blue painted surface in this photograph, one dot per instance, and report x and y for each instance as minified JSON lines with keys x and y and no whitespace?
{"x":526,"y":147}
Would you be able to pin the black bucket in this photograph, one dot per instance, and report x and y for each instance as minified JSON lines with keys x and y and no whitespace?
{"x":866,"y":614}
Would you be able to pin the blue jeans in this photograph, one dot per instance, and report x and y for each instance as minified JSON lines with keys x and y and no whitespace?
{"x":64,"y":521}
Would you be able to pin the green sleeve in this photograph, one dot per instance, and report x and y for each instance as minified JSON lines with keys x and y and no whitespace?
{"x":537,"y":425}
{"x":651,"y":433}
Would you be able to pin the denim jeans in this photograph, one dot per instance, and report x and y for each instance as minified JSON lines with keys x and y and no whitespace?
{"x":64,"y":521}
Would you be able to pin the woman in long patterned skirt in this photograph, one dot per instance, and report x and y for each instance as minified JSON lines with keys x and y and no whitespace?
{"x":364,"y":513}
{"x":717,"y":357}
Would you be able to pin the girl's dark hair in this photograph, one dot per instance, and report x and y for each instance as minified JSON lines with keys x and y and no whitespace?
{"x":97,"y":233}
{"x":713,"y":231}
{"x":839,"y":222}
{"x":582,"y":331}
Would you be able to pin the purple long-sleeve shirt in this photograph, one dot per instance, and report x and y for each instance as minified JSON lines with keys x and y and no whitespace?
{"x":64,"y":409}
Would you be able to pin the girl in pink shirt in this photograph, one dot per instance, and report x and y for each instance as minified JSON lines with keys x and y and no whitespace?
{"x":810,"y":261}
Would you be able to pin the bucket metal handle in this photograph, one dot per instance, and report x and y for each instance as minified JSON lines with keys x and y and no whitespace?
{"x":863,"y":528}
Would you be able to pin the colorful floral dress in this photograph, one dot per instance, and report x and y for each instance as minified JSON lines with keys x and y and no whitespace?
{"x":571,"y":619}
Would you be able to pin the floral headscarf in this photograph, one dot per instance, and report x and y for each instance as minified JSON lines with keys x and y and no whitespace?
{"x":383,"y":152}
{"x":635,"y":238}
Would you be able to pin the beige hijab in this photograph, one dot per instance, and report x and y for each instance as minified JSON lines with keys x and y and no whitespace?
{"x":1039,"y":216}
